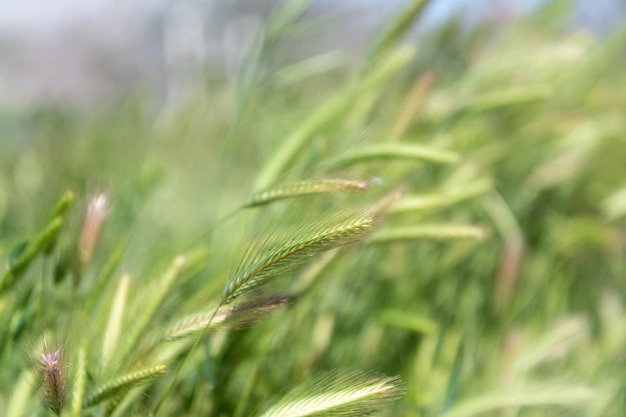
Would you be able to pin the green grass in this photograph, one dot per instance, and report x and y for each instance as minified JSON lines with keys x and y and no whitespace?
{"x":436,"y":232}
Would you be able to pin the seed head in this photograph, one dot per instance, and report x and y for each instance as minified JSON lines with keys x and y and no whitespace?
{"x":96,"y":213}
{"x":52,"y":379}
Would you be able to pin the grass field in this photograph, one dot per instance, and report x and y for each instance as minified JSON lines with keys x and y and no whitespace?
{"x":436,"y":231}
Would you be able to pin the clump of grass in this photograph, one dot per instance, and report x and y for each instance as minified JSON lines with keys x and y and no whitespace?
{"x":516,"y":146}
{"x":155,"y":293}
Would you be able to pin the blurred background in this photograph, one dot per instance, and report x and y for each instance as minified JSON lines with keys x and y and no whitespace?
{"x":504,"y":118}
{"x":94,"y":52}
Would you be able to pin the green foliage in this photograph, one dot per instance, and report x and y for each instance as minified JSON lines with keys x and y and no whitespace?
{"x":465,"y":234}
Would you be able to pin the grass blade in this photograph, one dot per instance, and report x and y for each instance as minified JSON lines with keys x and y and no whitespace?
{"x":78,"y":389}
{"x":327,"y":112}
{"x":65,"y":202}
{"x":557,"y":396}
{"x":39,"y":244}
{"x":397,"y":29}
{"x":112,"y":332}
{"x":441,"y":200}
{"x":396,"y":151}
{"x":437,"y":232}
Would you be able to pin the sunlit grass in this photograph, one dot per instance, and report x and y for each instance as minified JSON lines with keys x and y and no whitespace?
{"x":458,"y":226}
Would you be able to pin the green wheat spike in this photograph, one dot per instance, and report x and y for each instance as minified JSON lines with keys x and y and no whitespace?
{"x":228,"y":318}
{"x":302,"y":188}
{"x":123,"y":384}
{"x":295,"y":249}
{"x":42,"y":241}
{"x":352,"y":393}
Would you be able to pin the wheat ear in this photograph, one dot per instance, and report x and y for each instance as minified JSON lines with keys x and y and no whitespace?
{"x":123,"y":384}
{"x":228,"y":318}
{"x":302,"y":188}
{"x":396,"y":151}
{"x":352,"y":393}
{"x":295,"y":249}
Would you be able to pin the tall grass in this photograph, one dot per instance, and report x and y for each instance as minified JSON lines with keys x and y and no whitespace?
{"x":466,"y":259}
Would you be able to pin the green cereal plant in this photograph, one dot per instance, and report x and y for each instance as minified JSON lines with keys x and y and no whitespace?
{"x":53,"y":379}
{"x":302,"y":188}
{"x":468,"y":257}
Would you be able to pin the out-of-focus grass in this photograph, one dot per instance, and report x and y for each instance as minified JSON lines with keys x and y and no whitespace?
{"x":528,"y":321}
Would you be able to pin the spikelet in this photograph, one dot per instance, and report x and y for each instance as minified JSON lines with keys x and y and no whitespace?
{"x":155,"y":294}
{"x":294,"y":249}
{"x":114,"y":326}
{"x":25,"y":254}
{"x":123,"y":384}
{"x":234,"y":317}
{"x":303,"y":188}
{"x":352,"y":393}
{"x":78,"y":384}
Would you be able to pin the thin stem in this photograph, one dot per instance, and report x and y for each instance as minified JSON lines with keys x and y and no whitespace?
{"x":182,"y":362}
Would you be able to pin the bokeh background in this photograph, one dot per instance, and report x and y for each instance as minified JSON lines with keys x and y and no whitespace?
{"x":86,"y":53}
{"x":496,"y":285}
